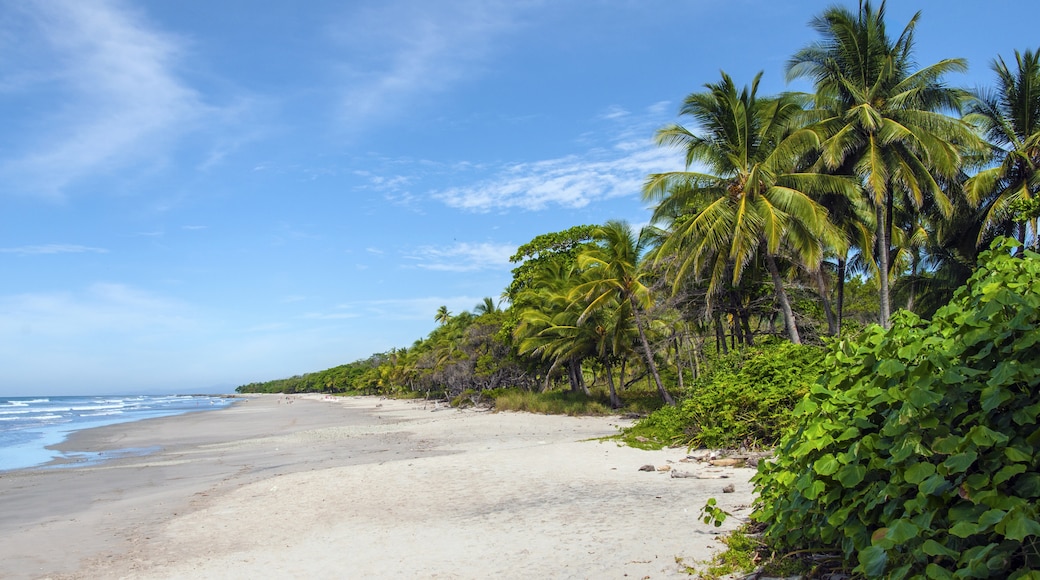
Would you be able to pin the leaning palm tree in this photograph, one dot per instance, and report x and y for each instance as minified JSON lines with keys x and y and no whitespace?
{"x":1009,"y":117}
{"x":750,"y":202}
{"x":882,"y":121}
{"x":614,"y":275}
{"x":548,"y":326}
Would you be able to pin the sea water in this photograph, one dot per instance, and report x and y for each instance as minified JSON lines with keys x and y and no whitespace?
{"x":28,"y":425}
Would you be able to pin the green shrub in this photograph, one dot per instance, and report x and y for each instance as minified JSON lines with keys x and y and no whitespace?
{"x":552,"y":402}
{"x":918,"y":454}
{"x":746,"y":400}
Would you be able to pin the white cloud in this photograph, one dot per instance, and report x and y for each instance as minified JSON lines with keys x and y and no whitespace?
{"x":53,"y":249}
{"x":571,"y":182}
{"x":464,"y":257}
{"x":397,"y":53}
{"x":113,"y":75}
{"x":422,"y":309}
{"x":102,"y":309}
{"x":614,"y":112}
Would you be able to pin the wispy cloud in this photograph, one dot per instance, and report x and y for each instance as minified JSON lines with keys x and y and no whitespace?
{"x":100,"y":309}
{"x":396,"y":53}
{"x":417,"y":309}
{"x":571,"y":182}
{"x":464,"y":257}
{"x":121,"y":100}
{"x":52,"y":249}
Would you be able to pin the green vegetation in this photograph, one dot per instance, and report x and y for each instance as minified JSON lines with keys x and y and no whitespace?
{"x":553,"y":403}
{"x":744,"y":401}
{"x":802,"y":225}
{"x":919,"y":452}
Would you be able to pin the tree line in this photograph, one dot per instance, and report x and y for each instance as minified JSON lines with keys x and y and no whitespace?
{"x":799,"y":215}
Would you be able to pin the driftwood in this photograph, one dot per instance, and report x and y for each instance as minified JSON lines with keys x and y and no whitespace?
{"x":691,"y":475}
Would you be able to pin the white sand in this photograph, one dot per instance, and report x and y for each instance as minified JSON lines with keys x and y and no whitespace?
{"x":447,"y":494}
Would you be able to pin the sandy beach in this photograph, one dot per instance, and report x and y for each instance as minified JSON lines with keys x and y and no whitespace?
{"x":311,"y":487}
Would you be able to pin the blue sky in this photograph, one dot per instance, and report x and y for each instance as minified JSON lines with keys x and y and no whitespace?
{"x":195,"y":195}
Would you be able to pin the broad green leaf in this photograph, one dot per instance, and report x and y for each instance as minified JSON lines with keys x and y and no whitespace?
{"x":961,"y":461}
{"x":815,"y":489}
{"x":873,"y":560}
{"x":918,"y":472}
{"x":1026,"y":415}
{"x":1007,"y":472}
{"x":1018,"y":454}
{"x":1019,"y":526}
{"x":937,"y":572}
{"x":993,"y":397}
{"x":934,"y":485}
{"x":900,"y":531}
{"x":952,"y":376}
{"x":933,"y":548}
{"x":983,"y":436}
{"x":945,"y":445}
{"x":851,"y":475}
{"x":991,"y":518}
{"x":826,"y":465}
{"x":923,"y":397}
{"x":890,"y":368}
{"x":963,"y":529}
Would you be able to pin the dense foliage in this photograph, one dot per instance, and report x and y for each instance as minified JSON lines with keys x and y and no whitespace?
{"x":745,"y":400}
{"x":918,"y":453}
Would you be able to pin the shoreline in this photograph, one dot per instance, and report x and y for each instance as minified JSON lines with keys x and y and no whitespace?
{"x":305,"y":486}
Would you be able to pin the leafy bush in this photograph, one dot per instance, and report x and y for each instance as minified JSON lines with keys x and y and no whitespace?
{"x":746,"y":400}
{"x":918,"y":454}
{"x":552,"y":402}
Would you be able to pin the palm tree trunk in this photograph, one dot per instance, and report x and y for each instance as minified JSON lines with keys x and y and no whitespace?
{"x":884,"y":247}
{"x":615,"y":401}
{"x":649,"y":353}
{"x":841,"y":293}
{"x":821,"y":285}
{"x":720,"y":335}
{"x":781,"y":297}
{"x":677,"y":343}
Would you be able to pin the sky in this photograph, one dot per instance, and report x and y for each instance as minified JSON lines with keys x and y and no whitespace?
{"x":196,"y":195}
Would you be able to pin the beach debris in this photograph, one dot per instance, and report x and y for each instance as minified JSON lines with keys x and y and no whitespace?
{"x":648,"y":467}
{"x":691,"y":475}
{"x":728,"y":462}
{"x":729,"y":488}
{"x":664,"y":468}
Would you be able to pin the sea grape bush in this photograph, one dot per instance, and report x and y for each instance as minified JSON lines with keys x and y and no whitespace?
{"x":745,"y":400}
{"x":917,"y":454}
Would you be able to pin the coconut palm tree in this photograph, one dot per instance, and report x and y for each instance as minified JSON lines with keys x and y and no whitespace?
{"x":486,"y":306}
{"x":882,"y":121}
{"x":548,"y":327}
{"x":751,"y":202}
{"x":614,"y":275}
{"x":1009,"y":117}
{"x":443,"y":315}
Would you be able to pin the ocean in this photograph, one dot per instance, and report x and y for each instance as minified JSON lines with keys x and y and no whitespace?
{"x":28,"y":425}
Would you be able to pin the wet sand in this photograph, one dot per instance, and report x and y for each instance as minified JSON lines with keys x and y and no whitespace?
{"x":315,"y":488}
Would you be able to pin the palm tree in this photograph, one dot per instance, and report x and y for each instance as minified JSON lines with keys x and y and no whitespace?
{"x":1009,"y":117}
{"x":615,"y":276}
{"x":443,"y":315}
{"x":549,"y":325}
{"x":880,"y":120}
{"x":486,"y":306}
{"x":752,"y":204}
